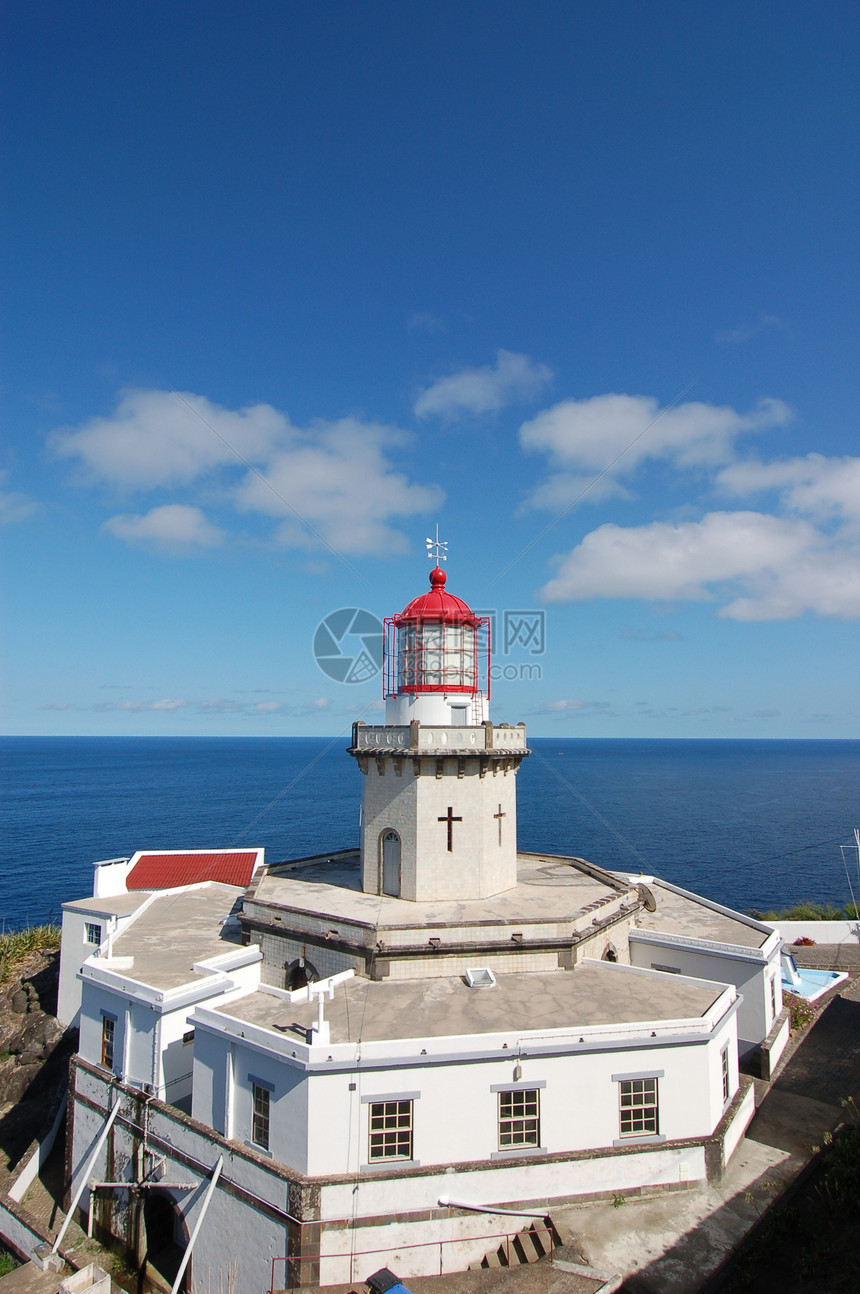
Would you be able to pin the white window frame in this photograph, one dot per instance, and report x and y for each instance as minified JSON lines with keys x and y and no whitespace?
{"x":261,"y":1114}
{"x":725,"y":1074}
{"x":519,"y":1118}
{"x":108,"y":1045}
{"x":390,"y":1130}
{"x":89,"y":927}
{"x":639,"y":1107}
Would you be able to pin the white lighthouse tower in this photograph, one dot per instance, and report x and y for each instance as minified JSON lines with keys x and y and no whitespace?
{"x":439,"y":808}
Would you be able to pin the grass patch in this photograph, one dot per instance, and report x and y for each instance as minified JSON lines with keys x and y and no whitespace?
{"x":808,"y":911}
{"x":16,"y":945}
{"x":8,"y":1262}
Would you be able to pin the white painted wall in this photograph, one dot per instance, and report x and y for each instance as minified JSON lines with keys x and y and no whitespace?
{"x":750,"y":977}
{"x":321,"y":1126}
{"x":822,"y":932}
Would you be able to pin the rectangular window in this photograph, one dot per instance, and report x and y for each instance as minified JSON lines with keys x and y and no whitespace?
{"x":519,"y":1118}
{"x":108,"y":1033}
{"x":638,"y":1097}
{"x":773,"y":997}
{"x":260,"y":1116}
{"x":724,"y":1063}
{"x":92,"y":932}
{"x":390,"y":1130}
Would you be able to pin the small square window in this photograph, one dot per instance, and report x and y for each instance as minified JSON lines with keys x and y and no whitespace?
{"x":390,"y":1130}
{"x":639,"y":1111}
{"x":260,"y":1116}
{"x":519,"y":1119}
{"x":108,"y":1035}
{"x":93,"y":933}
{"x":724,"y":1066}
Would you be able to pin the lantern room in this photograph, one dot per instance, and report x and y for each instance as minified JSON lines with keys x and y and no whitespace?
{"x":437,"y":659}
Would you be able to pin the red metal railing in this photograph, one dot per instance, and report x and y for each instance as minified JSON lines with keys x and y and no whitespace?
{"x":504,"y":1237}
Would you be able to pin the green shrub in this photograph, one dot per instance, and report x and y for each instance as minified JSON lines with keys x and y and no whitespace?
{"x":15,"y":945}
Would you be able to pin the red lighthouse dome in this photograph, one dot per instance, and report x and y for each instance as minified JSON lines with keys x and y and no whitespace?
{"x":437,"y":645}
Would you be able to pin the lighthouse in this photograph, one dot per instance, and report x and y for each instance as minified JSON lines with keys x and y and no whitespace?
{"x":439,"y":808}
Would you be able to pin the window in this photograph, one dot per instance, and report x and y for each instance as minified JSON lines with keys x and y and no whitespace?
{"x":390,"y":1130}
{"x":519,"y":1118}
{"x":108,"y":1034}
{"x":260,"y":1116}
{"x":724,"y":1064}
{"x":773,"y":1010}
{"x":639,"y":1112}
{"x":92,"y":932}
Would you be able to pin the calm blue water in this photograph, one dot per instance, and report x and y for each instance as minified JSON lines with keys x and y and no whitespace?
{"x":748,"y":823}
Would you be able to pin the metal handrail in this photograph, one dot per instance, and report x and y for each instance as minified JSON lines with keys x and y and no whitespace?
{"x":505,"y":1236}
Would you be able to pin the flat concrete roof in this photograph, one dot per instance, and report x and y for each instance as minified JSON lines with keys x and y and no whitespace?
{"x":178,"y":930}
{"x":696,"y":918}
{"x":117,"y":905}
{"x":548,"y":889}
{"x":594,"y":994}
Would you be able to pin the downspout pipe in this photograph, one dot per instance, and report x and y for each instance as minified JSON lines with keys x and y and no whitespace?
{"x":445,"y":1203}
{"x":210,"y":1191}
{"x":85,"y":1174}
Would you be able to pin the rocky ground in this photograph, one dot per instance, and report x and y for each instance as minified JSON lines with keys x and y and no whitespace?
{"x":34,"y":1053}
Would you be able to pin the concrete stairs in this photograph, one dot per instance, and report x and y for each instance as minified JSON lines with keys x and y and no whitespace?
{"x":536,"y":1241}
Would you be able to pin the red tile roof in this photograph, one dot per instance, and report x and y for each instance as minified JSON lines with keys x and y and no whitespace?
{"x":166,"y":871}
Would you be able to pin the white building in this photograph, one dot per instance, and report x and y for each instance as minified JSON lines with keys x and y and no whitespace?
{"x":388,"y":1049}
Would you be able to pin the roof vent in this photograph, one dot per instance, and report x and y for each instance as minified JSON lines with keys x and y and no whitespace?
{"x":480,"y":977}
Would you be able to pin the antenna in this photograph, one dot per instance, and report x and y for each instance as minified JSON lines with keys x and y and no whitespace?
{"x":435,"y":548}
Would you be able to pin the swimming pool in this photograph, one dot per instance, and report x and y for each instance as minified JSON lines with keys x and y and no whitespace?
{"x":808,"y":984}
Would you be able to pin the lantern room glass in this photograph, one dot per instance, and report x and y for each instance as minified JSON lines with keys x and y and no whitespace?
{"x":436,"y":656}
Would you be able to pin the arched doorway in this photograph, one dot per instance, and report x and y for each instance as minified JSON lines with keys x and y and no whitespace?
{"x":391,"y":864}
{"x":166,"y":1238}
{"x":299,"y":973}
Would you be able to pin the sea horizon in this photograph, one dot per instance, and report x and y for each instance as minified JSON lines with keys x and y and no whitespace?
{"x":749,"y":822}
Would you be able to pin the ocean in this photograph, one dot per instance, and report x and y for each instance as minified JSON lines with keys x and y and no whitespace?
{"x":752,"y":824}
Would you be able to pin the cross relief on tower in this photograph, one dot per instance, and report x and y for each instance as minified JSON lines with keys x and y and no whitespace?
{"x":440,"y":778}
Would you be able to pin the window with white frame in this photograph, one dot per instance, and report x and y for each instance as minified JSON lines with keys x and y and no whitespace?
{"x":108,"y":1039}
{"x":773,"y":1011}
{"x":724,"y":1068}
{"x":390,"y":1130}
{"x":519,"y":1118}
{"x":260,"y":1109}
{"x":92,"y":932}
{"x":639,"y":1113}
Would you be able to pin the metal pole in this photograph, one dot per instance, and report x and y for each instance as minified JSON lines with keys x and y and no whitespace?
{"x":210,"y":1191}
{"x":85,"y":1174}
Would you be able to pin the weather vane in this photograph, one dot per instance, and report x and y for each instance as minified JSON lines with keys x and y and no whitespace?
{"x":435,"y":547}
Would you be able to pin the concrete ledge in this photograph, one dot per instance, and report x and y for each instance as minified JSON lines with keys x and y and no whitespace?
{"x":774,"y":1045}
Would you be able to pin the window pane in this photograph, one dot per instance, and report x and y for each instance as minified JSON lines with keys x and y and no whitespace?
{"x":638,"y":1104}
{"x":391,"y":1130}
{"x":260,"y":1116}
{"x":107,"y":1041}
{"x":519,"y":1118}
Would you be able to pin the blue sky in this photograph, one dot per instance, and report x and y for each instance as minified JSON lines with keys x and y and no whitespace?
{"x":289,"y":283}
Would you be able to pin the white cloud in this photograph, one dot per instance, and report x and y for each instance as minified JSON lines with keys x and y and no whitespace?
{"x":484,"y":390}
{"x":815,"y":486}
{"x":759,"y":566}
{"x":565,"y":705}
{"x":268,"y":707}
{"x":14,"y":507}
{"x":615,"y":433}
{"x":338,"y":478}
{"x":167,"y":704}
{"x":174,"y":527}
{"x":748,"y":331}
{"x":158,"y":438}
{"x":334,"y":482}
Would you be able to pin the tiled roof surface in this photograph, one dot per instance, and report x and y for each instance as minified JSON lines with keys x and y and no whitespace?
{"x":166,"y":871}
